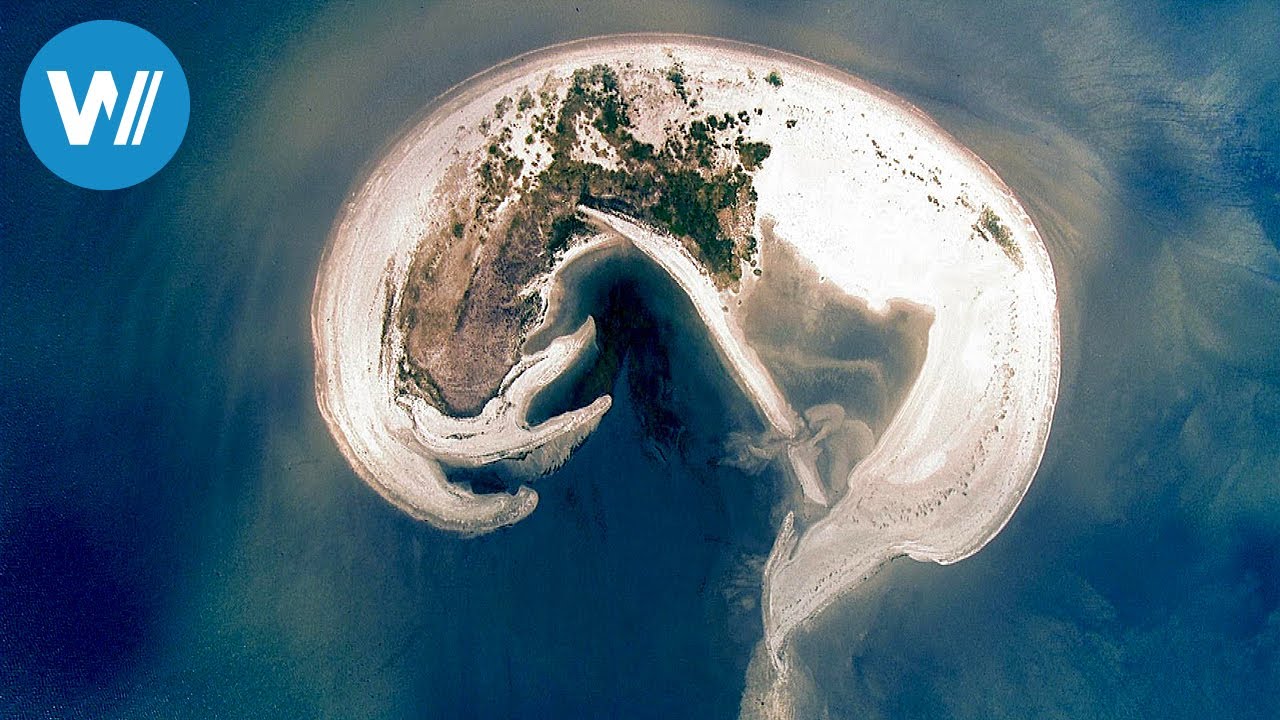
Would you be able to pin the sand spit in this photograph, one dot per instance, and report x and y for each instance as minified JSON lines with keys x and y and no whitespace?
{"x":500,"y":434}
{"x":882,"y":201}
{"x":667,"y":253}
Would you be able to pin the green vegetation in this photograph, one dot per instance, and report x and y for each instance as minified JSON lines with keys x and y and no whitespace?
{"x":697,"y":185}
{"x":990,"y":227}
{"x":689,"y":206}
{"x":525,"y":102}
{"x":563,"y":229}
{"x":677,"y":186}
{"x":676,"y":76}
{"x":501,"y":108}
{"x":752,"y":154}
{"x":773,"y":78}
{"x":497,"y":172}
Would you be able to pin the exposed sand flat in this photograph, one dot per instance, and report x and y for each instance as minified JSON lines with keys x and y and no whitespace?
{"x":961,"y":451}
{"x":884,"y":204}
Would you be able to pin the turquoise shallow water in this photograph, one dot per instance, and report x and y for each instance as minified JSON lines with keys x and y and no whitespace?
{"x":179,"y":536}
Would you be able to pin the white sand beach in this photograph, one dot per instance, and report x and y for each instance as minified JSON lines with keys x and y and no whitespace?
{"x":882,"y":201}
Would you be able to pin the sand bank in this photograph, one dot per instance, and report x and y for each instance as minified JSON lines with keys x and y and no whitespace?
{"x":884,"y":203}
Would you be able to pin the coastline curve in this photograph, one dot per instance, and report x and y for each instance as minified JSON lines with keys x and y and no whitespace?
{"x":884,"y":202}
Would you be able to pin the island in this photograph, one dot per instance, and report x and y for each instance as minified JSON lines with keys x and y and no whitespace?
{"x":703,"y":155}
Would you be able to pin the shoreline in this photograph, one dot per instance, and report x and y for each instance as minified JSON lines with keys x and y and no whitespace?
{"x":750,"y":373}
{"x":961,"y":450}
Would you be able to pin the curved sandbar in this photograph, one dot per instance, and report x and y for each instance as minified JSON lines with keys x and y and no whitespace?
{"x":500,"y":433}
{"x":884,"y":204}
{"x":752,"y":376}
{"x":904,"y":214}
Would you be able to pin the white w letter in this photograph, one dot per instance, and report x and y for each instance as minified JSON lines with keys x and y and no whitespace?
{"x":79,"y":122}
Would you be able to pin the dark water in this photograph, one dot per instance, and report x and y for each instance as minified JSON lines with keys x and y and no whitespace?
{"x":180,"y":538}
{"x":646,"y":323}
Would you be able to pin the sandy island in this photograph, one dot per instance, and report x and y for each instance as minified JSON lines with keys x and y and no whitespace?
{"x":883,"y":202}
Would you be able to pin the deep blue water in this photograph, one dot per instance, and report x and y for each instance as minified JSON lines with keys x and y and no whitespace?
{"x":180,"y":538}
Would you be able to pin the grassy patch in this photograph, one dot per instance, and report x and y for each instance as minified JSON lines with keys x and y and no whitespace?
{"x":990,"y":227}
{"x":753,"y":154}
{"x":697,"y":185}
{"x":676,"y":77}
{"x":563,"y":229}
{"x":677,"y":186}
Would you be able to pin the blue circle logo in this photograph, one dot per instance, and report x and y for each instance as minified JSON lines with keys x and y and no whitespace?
{"x":105,"y":105}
